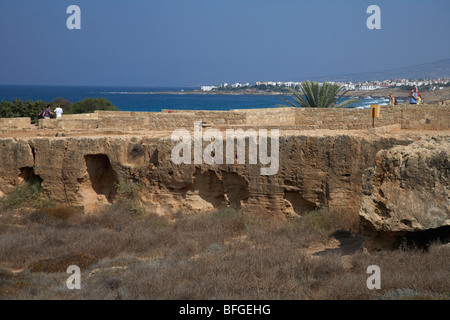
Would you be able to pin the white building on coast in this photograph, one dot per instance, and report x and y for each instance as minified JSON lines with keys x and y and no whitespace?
{"x":207,"y":88}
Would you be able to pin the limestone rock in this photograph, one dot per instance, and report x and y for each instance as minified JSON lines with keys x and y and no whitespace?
{"x":407,"y":191}
{"x":83,"y":171}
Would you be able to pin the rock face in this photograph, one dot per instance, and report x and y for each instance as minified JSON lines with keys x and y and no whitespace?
{"x":407,"y":191}
{"x":396,"y":185}
{"x":314,"y":171}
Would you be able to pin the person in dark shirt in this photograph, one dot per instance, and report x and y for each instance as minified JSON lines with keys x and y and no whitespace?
{"x":47,"y":112}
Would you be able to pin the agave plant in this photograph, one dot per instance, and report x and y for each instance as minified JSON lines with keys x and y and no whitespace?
{"x":315,"y":95}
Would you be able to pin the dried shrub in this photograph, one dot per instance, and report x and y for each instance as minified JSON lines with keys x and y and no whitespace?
{"x":60,"y":264}
{"x":227,"y":254}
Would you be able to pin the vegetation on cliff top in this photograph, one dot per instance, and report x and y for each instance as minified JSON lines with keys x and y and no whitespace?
{"x":31,"y":109}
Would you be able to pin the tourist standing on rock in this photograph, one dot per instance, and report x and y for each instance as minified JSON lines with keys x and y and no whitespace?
{"x":414,"y":97}
{"x":392,"y":100}
{"x":47,"y":112}
{"x":419,"y":97}
{"x":59,"y":111}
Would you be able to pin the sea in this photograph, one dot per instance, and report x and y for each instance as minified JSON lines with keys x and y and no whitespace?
{"x":153,"y":99}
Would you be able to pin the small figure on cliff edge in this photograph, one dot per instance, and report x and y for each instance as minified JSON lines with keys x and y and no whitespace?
{"x":59,"y":111}
{"x":413,"y":97}
{"x":416,"y":90}
{"x":392,"y":100}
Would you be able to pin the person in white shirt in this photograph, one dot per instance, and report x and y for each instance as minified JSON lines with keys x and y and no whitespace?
{"x":59,"y":112}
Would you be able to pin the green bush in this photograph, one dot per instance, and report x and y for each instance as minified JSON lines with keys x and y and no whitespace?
{"x":19,"y":108}
{"x":128,"y":190}
{"x":31,"y":109}
{"x":128,"y":194}
{"x":25,"y":195}
{"x":63,"y":103}
{"x":90,"y":105}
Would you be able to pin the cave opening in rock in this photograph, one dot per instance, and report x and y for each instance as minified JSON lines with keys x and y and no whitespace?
{"x":298,"y":204}
{"x":236,"y":189}
{"x":423,"y":239}
{"x":101,"y":175}
{"x":137,"y":151}
{"x":208,"y":187}
{"x":28,"y":175}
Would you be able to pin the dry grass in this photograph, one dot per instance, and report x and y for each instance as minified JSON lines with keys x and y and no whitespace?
{"x":222,"y":255}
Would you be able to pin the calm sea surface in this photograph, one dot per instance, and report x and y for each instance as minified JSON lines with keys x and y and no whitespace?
{"x":146,"y":99}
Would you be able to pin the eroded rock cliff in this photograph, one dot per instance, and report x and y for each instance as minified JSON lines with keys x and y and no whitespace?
{"x":408,"y":190}
{"x":323,"y":170}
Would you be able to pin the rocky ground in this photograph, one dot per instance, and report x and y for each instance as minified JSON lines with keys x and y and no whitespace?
{"x":407,"y":193}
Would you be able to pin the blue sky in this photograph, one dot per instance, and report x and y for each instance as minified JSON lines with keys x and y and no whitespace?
{"x":195,"y":42}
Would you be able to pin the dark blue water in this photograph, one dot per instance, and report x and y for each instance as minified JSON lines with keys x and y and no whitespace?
{"x":146,"y":98}
{"x":141,"y":98}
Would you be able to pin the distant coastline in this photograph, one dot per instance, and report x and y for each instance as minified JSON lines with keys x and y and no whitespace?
{"x":378,"y":93}
{"x":377,"y":89}
{"x":400,"y":93}
{"x":225,"y":92}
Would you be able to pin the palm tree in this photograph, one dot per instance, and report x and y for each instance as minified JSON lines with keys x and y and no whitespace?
{"x":315,"y":95}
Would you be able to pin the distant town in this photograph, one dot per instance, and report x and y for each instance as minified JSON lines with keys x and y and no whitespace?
{"x":430,"y":84}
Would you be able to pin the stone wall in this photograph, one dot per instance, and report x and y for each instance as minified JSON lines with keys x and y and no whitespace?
{"x":15,"y":123}
{"x":131,"y":121}
{"x":81,"y":116}
{"x":337,"y":118}
{"x":269,"y":116}
{"x":426,"y":117}
{"x":69,"y":124}
{"x":422,"y":117}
